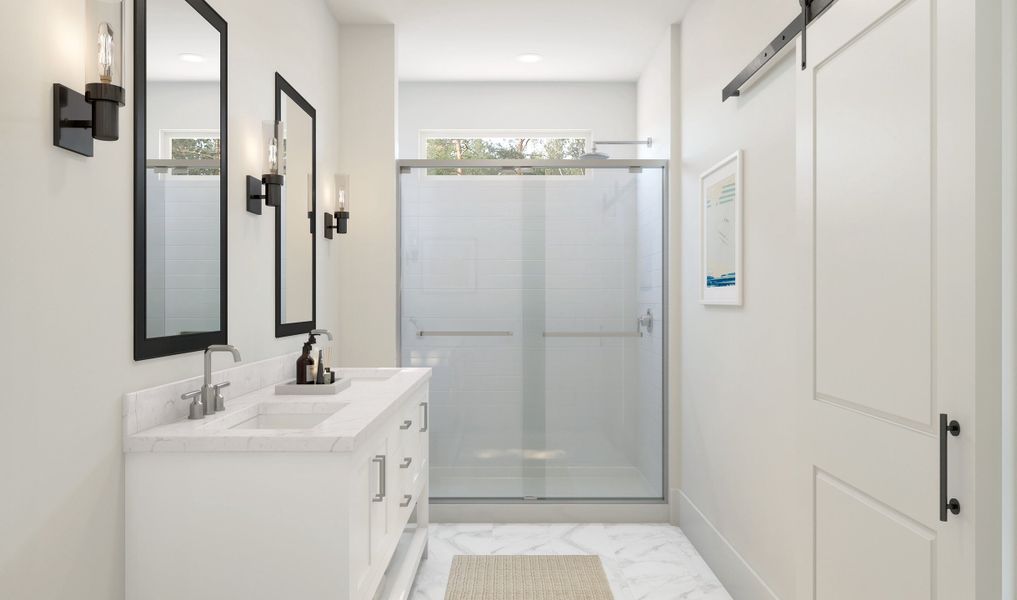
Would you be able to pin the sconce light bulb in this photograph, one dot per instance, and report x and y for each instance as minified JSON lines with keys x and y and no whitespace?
{"x":341,"y":199}
{"x":281,"y":157}
{"x":273,"y":156}
{"x":107,"y":51}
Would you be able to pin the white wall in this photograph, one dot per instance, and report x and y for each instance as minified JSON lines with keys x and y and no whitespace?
{"x":656,"y":103}
{"x":179,"y":105}
{"x":736,"y":363}
{"x":607,"y":109}
{"x":656,"y":93}
{"x":367,"y":142}
{"x":66,"y":245}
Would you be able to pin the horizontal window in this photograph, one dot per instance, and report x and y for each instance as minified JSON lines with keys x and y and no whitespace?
{"x":505,"y":147}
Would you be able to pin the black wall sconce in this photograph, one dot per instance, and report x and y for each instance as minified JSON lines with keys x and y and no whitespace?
{"x":339,"y":220}
{"x":80,"y":119}
{"x":274,"y":173}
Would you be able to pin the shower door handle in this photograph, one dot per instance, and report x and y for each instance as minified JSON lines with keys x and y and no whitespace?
{"x":423,"y":427}
{"x":946,"y":504}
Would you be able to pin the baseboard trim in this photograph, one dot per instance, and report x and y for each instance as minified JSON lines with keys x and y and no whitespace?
{"x":548,"y":513}
{"x":740,"y":579}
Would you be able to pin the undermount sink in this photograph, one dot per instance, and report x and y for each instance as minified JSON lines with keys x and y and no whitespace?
{"x":281,"y":420}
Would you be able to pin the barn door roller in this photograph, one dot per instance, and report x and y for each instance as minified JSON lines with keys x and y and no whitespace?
{"x":811,"y":10}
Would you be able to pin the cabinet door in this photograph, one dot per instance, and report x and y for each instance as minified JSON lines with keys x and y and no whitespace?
{"x":360,"y":527}
{"x":369,"y":519}
{"x":381,"y":500}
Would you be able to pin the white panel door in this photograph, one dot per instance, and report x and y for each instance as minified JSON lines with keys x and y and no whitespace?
{"x":887,"y":195}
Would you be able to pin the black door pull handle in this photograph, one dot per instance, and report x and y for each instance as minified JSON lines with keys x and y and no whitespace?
{"x":946,"y":504}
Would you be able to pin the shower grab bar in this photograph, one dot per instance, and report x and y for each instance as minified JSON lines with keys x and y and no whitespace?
{"x":464,"y":334}
{"x":593,"y":334}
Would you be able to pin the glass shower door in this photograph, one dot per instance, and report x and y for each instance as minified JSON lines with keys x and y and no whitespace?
{"x":525,"y":294}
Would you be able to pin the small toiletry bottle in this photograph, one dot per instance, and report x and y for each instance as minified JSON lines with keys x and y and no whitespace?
{"x":304,"y":364}
{"x":320,"y":378}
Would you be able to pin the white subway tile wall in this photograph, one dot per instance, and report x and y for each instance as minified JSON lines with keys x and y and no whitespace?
{"x":533,"y":414}
{"x":183,"y":254}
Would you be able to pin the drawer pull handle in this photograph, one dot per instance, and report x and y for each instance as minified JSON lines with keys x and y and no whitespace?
{"x":406,"y":462}
{"x":380,"y":496}
{"x":406,"y":500}
{"x":406,"y":425}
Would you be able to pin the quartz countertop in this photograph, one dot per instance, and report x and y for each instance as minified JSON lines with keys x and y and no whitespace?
{"x":373,"y":395}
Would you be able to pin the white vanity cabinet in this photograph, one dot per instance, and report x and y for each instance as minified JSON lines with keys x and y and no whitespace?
{"x":263,"y":523}
{"x":390,"y":481}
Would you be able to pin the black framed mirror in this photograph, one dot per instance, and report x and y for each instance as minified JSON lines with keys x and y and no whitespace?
{"x":295,"y":257}
{"x":180,"y":158}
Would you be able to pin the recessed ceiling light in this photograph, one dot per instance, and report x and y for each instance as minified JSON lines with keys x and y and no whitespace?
{"x":192,"y":58}
{"x":529,"y":58}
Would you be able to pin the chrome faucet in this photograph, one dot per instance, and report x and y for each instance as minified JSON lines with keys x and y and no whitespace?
{"x":323,"y":332}
{"x":208,"y":391}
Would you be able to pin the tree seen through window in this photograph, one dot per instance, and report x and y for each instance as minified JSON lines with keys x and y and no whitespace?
{"x":195,"y":149}
{"x":535,"y":148}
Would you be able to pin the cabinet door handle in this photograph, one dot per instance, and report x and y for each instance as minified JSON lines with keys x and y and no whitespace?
{"x":423,"y":428}
{"x":380,"y":496}
{"x":406,"y":425}
{"x":946,"y":504}
{"x":406,"y":500}
{"x":406,"y":462}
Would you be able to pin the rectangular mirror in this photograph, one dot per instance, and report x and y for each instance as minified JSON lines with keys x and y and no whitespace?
{"x":179,"y":177}
{"x":295,"y":261}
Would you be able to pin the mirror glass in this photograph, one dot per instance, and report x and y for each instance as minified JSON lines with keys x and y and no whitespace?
{"x":295,"y":239}
{"x":181,"y":186}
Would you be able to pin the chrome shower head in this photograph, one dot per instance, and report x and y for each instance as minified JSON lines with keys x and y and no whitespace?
{"x":594,"y":155}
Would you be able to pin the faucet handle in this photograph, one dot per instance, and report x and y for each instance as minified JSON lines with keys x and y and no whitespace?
{"x":220,"y":400}
{"x":196,"y":411}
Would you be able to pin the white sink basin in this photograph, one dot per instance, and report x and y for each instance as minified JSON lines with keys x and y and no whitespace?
{"x":271,"y":417}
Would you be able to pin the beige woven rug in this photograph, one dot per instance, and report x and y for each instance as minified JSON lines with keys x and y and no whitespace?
{"x":527,"y":578}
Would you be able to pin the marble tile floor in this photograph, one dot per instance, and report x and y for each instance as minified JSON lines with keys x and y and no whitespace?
{"x":643,"y":562}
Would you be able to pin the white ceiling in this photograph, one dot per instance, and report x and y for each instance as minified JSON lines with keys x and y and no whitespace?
{"x":478,"y":40}
{"x":174,"y":28}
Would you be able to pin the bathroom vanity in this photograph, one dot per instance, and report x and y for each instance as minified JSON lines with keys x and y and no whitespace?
{"x":309,"y":497}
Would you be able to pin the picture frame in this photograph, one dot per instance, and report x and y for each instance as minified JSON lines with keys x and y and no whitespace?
{"x":721,"y":275}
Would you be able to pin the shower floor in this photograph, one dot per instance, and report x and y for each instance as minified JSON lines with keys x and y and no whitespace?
{"x":573,"y":465}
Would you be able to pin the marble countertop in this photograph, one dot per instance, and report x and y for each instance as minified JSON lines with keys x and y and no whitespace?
{"x":374,"y":395}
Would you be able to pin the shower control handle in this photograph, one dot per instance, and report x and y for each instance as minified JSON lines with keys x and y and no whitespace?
{"x":646,"y":321}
